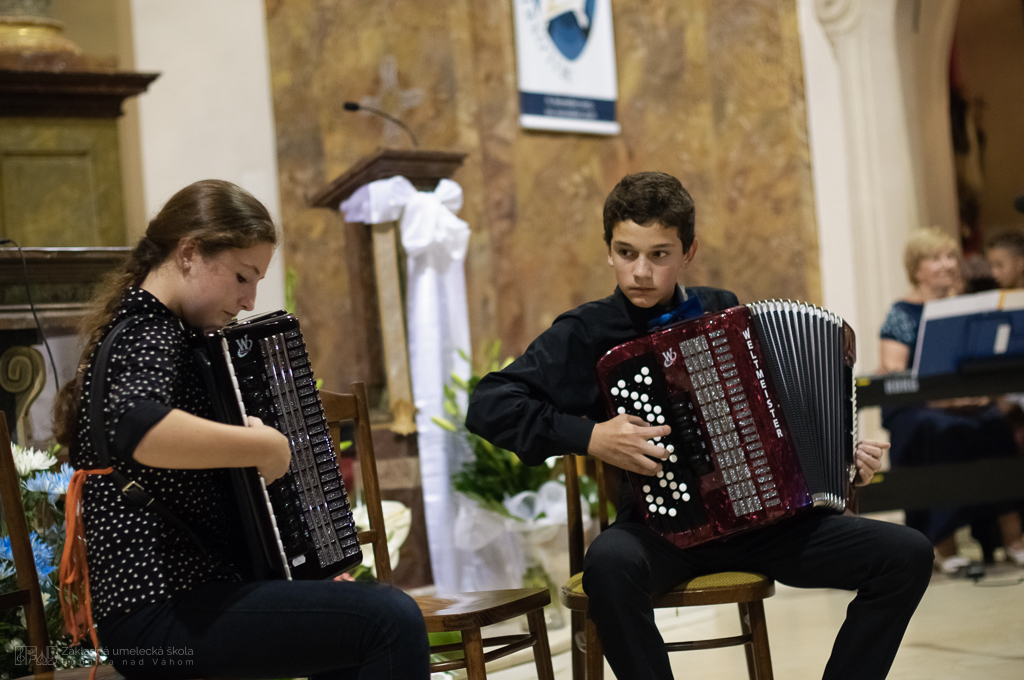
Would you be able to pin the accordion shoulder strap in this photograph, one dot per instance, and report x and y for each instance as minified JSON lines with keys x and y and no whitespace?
{"x":133,"y":492}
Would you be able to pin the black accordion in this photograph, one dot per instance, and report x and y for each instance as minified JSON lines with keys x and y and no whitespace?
{"x":760,"y":399}
{"x":300,"y":526}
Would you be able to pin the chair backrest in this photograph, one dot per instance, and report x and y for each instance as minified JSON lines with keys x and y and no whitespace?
{"x":28,"y":594}
{"x":575,"y":466}
{"x":339,"y":408}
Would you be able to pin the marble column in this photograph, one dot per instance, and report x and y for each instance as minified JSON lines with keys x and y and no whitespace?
{"x":883,"y":208}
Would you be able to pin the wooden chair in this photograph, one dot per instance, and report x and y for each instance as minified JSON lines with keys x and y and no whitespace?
{"x":29,"y":594}
{"x":745,"y":589}
{"x":465,"y":613}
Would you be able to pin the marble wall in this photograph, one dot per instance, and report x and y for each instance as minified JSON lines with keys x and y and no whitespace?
{"x":709,"y":90}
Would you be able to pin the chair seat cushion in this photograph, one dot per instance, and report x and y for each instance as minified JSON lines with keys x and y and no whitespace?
{"x":725,"y":586}
{"x":722,"y":579}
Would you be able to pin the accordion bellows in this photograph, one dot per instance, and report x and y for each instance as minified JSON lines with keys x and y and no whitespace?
{"x":300,"y":526}
{"x":760,"y":400}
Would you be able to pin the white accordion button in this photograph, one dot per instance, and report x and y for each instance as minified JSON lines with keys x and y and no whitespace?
{"x":649,"y":498}
{"x":661,"y":474}
{"x":638,"y":378}
{"x":622,"y":409}
{"x":671,"y":449}
{"x":654,"y":508}
{"x":645,"y":370}
{"x":675,"y":495}
{"x":644,"y":398}
{"x":634,"y":396}
{"x":673,"y":486}
{"x":647,"y":407}
{"x":647,"y":380}
{"x":669,"y":475}
{"x":647,"y":488}
{"x":637,"y":405}
{"x":661,"y":420}
{"x":662,"y":510}
{"x":659,"y":500}
{"x":673,"y":458}
{"x":682,"y":486}
{"x":671,"y":512}
{"x":663,"y":483}
{"x":650,"y":417}
{"x":615,"y":391}
{"x":686,"y":496}
{"x":657,"y":409}
{"x":622,"y":383}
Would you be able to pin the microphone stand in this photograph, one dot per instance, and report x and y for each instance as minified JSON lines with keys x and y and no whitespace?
{"x":353,"y":106}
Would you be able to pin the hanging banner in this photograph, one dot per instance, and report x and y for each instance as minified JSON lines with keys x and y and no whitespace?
{"x":565,"y":53}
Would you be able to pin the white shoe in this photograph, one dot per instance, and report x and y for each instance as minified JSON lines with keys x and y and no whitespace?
{"x":951,"y":565}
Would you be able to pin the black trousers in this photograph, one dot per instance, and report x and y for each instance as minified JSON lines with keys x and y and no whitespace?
{"x":272,"y":629}
{"x":887,"y":564}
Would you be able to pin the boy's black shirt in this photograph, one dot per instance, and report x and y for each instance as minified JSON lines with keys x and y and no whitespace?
{"x":547,"y":401}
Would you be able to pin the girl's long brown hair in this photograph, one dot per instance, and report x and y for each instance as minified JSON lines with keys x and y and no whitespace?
{"x":217,"y":214}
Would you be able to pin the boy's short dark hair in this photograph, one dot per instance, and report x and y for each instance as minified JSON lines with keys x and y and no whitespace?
{"x":649,"y":197}
{"x":1011,"y":240}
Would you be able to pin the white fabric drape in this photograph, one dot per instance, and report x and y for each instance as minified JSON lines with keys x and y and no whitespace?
{"x":435,"y":242}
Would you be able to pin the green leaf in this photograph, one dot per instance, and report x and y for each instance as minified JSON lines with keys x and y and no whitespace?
{"x":342,"y":446}
{"x":451,"y":408}
{"x":444,"y":424}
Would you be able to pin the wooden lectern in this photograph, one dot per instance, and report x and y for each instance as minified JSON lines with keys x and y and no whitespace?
{"x":386,"y":283}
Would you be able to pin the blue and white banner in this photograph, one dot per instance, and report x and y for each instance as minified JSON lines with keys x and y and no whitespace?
{"x":565,"y":52}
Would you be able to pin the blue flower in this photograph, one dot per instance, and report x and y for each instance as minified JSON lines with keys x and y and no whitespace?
{"x":53,"y":483}
{"x":41,"y":551}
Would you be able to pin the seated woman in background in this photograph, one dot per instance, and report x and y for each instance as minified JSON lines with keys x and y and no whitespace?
{"x":941,"y":432}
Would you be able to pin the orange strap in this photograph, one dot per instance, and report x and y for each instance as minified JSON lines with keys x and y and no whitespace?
{"x":75,"y":602}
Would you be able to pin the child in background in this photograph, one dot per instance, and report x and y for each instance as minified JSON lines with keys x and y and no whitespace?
{"x":1005,"y":254}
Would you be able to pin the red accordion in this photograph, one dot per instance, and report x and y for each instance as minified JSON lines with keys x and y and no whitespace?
{"x":761,"y":403}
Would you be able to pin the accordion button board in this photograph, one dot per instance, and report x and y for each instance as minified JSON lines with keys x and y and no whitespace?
{"x":303,"y":528}
{"x":732,"y":463}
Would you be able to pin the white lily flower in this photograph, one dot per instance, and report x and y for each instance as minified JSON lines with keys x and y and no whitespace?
{"x":29,"y":460}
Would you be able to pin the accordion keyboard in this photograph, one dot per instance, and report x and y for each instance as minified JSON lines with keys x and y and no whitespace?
{"x":314,"y":470}
{"x":672,"y":496}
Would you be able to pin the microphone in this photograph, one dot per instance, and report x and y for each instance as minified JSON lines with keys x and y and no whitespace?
{"x":353,"y":106}
{"x":1018,"y":203}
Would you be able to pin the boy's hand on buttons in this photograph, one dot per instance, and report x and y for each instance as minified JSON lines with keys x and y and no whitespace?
{"x":623,"y":442}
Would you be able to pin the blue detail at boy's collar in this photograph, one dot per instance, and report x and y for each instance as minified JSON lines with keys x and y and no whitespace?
{"x":690,"y":308}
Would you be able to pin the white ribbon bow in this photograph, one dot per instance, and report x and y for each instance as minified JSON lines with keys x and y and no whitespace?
{"x":427,"y":217}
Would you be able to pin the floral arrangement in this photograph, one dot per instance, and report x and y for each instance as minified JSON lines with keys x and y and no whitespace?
{"x":42,"y":494}
{"x":494,"y":474}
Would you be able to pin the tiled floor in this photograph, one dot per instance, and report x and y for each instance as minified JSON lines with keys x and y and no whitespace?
{"x":961,"y":630}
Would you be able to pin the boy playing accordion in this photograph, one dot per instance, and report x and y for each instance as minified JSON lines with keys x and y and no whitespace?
{"x":548,"y":403}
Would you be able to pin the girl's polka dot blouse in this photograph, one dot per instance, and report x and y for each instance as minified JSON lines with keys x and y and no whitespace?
{"x":135,"y":557}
